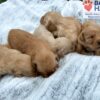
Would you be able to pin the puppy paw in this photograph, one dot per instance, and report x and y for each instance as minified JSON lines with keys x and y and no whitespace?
{"x":17,"y":73}
{"x":61,"y":52}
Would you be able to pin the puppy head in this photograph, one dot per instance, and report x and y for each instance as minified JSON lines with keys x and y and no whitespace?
{"x":49,"y":20}
{"x":89,"y":39}
{"x":45,"y":63}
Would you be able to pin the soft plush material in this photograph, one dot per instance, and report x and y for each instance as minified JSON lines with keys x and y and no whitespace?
{"x":78,"y":77}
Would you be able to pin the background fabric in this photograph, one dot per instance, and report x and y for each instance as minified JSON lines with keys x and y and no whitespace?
{"x":78,"y":77}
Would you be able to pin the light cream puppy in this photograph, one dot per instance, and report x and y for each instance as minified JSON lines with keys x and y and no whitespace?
{"x":60,"y":46}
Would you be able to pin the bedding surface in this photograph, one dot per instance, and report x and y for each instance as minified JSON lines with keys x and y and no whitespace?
{"x":78,"y":77}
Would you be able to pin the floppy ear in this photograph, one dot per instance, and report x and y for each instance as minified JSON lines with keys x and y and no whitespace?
{"x":51,"y":26}
{"x":80,"y":42}
{"x":81,"y":38}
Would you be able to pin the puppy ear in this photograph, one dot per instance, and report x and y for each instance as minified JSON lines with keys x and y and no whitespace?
{"x":51,"y":26}
{"x":81,"y":38}
{"x":80,"y":42}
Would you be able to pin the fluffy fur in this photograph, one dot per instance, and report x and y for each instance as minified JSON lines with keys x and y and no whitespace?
{"x":61,"y":26}
{"x":43,"y":59}
{"x":89,"y":39}
{"x":14,"y":62}
{"x":60,"y":45}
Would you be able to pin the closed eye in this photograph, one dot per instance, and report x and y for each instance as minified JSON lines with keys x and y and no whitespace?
{"x":90,"y":36}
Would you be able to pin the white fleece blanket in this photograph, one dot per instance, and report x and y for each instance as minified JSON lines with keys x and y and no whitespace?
{"x":78,"y":77}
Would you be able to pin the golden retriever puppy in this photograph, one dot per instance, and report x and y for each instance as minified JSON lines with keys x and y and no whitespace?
{"x":61,"y":26}
{"x":89,"y":39}
{"x":14,"y":62}
{"x":60,"y":45}
{"x":42,"y":57}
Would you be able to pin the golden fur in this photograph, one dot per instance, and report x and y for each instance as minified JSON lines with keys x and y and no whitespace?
{"x":43,"y":59}
{"x":60,"y":45}
{"x":14,"y":62}
{"x":89,"y":39}
{"x":60,"y":26}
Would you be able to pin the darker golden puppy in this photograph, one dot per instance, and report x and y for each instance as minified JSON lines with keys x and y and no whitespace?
{"x":61,"y":26}
{"x":89,"y":39}
{"x":14,"y":62}
{"x":43,"y":59}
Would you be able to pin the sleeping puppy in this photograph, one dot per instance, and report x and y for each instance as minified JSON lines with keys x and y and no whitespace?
{"x":60,"y":45}
{"x":43,"y":59}
{"x":61,"y":26}
{"x":89,"y":39}
{"x":14,"y":62}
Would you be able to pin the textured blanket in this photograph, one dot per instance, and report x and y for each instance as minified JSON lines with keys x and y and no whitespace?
{"x":78,"y":77}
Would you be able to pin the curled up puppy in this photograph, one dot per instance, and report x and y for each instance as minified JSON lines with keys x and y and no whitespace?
{"x":89,"y":39}
{"x":43,"y":59}
{"x":60,"y":46}
{"x":14,"y":62}
{"x":60,"y":26}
